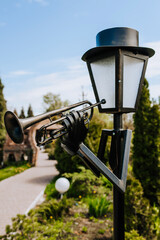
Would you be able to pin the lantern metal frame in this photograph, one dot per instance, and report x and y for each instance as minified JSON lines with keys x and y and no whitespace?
{"x":119,"y":54}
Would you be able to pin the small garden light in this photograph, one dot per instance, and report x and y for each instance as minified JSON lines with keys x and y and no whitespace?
{"x":62,"y":185}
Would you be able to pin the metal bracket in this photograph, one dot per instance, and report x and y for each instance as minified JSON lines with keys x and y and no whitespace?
{"x":119,"y":180}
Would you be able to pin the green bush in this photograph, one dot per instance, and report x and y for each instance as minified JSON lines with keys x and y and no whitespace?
{"x":84,"y":229}
{"x":43,"y":222}
{"x":51,"y":153}
{"x":52,"y":209}
{"x":24,"y":227}
{"x":85,"y":183}
{"x":50,"y":190}
{"x":101,"y":231}
{"x":98,"y":207}
{"x":146,"y":145}
{"x":138,"y":212}
{"x":156,"y":220}
{"x":65,"y":163}
{"x":133,"y":235}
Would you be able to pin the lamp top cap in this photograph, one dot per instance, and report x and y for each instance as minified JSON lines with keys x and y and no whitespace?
{"x":118,"y":37}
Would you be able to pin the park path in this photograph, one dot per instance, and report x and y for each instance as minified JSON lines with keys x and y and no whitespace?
{"x":20,"y":193}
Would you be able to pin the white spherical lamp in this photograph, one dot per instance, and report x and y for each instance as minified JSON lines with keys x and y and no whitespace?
{"x":62,"y":185}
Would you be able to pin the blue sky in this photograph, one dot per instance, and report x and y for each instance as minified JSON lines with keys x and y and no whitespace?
{"x":42,"y":41}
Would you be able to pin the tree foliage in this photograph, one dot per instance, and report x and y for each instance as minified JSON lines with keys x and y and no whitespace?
{"x":15,"y":112}
{"x":22,"y":114}
{"x":137,"y":210}
{"x":2,"y":112}
{"x":53,"y":101}
{"x":30,"y":111}
{"x":146,"y":145}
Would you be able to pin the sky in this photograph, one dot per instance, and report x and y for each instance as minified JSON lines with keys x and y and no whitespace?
{"x":42,"y":42}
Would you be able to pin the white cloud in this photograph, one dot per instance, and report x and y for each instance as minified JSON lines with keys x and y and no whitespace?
{"x":153,"y":68}
{"x":19,"y":73}
{"x":154,"y":91}
{"x":68,"y":83}
{"x":41,"y":2}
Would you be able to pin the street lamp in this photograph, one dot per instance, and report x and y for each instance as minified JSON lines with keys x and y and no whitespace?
{"x":117,"y":67}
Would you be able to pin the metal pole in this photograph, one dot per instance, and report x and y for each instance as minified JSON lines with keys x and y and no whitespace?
{"x":118,"y":197}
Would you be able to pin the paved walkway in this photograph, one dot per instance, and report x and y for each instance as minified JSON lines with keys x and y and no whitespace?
{"x":18,"y":194}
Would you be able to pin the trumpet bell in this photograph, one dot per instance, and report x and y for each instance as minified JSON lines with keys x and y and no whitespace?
{"x":13,"y":127}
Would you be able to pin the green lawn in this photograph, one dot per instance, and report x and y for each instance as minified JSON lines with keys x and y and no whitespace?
{"x":12,"y":170}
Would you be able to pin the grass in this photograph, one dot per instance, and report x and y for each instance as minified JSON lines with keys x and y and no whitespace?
{"x":55,"y":220}
{"x":9,"y":171}
{"x":98,"y":207}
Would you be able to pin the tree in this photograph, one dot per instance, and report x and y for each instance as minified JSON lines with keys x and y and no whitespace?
{"x":138,"y":213}
{"x":146,"y":145}
{"x":15,"y":112}
{"x":53,"y":102}
{"x":30,"y":111}
{"x":2,"y":111}
{"x":22,"y":115}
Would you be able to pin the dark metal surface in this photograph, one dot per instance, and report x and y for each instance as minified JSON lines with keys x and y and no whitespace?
{"x":123,"y":38}
{"x":119,"y":181}
{"x":118,"y":197}
{"x":119,"y":55}
{"x":118,"y":36}
{"x":118,"y":144}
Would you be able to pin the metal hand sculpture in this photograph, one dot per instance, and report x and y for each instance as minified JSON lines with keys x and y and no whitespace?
{"x":73,"y":144}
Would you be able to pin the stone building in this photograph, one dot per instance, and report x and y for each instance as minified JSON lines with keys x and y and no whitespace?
{"x":24,"y":151}
{"x":27,"y":150}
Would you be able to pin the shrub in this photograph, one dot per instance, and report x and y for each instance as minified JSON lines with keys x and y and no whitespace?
{"x":24,"y":227}
{"x":52,"y":209}
{"x":133,"y":235}
{"x":51,"y":153}
{"x":84,"y":229}
{"x":101,"y":231}
{"x":146,"y":144}
{"x":42,"y":222}
{"x":156,"y":220}
{"x":65,"y":163}
{"x":98,"y":207}
{"x":138,"y":211}
{"x":50,"y":190}
{"x":85,"y":183}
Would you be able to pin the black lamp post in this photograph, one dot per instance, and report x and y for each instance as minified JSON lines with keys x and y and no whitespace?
{"x":117,"y":67}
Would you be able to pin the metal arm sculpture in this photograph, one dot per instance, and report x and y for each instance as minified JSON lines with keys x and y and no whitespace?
{"x":72,"y":132}
{"x":73,"y":144}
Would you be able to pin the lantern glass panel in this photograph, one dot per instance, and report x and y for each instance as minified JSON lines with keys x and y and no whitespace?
{"x":132,"y":72}
{"x":103,"y":71}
